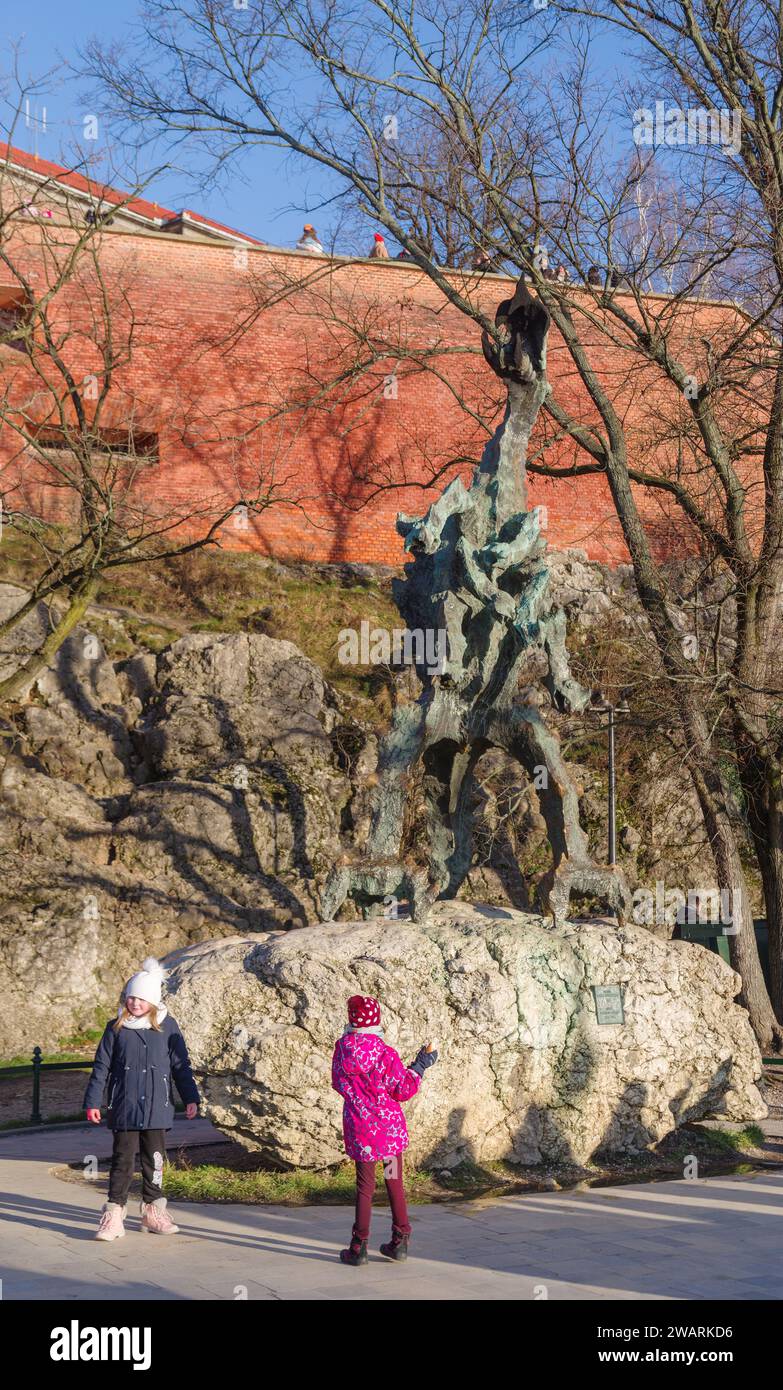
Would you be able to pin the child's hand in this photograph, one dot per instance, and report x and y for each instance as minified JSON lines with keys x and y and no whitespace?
{"x":424,"y":1059}
{"x":191,"y":1110}
{"x":94,"y":1116}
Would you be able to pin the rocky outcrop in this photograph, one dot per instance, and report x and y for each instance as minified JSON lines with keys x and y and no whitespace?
{"x":225,"y":701}
{"x":167,"y":799}
{"x":73,"y":722}
{"x":171,"y":799}
{"x":244,"y":799}
{"x":591,"y":592}
{"x":526,"y":1072}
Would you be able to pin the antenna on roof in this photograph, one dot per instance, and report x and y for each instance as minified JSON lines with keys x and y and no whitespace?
{"x":34,"y":122}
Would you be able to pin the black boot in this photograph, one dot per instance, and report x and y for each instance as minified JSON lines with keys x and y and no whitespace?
{"x":397,"y":1247}
{"x":356,"y":1254}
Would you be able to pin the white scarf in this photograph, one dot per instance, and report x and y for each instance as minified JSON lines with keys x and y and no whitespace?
{"x":144,"y":1021}
{"x":353,"y":1029}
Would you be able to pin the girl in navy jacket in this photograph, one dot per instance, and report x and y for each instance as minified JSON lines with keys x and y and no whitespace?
{"x":140,"y":1059}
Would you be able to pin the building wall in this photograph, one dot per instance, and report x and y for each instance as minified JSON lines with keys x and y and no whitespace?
{"x":349,"y":387}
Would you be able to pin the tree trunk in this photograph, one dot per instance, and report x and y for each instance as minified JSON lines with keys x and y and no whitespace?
{"x":704,"y":770}
{"x":765,"y":819}
{"x":81,"y":598}
{"x":770,"y":857}
{"x":743,"y":949}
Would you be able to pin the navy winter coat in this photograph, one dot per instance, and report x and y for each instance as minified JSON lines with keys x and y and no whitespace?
{"x":139,"y":1065}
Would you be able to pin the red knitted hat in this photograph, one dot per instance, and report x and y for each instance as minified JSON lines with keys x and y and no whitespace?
{"x":378,"y":236}
{"x":363,"y":1011}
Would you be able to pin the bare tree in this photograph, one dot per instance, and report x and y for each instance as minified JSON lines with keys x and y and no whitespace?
{"x":517,"y":163}
{"x":75,"y":433}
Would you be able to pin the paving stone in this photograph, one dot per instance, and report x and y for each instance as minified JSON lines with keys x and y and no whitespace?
{"x":669,"y":1241}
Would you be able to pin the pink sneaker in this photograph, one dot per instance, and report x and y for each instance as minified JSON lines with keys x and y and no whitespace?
{"x":156,"y":1219}
{"x":112,"y":1222}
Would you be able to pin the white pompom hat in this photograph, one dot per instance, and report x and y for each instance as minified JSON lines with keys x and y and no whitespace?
{"x":147,"y":983}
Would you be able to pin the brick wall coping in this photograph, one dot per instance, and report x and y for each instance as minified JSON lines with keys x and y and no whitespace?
{"x":383,"y":265}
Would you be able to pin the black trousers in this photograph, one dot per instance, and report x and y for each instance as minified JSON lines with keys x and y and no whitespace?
{"x":152,"y":1145}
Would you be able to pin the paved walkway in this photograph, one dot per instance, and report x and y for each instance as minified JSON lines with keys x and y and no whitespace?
{"x":719,"y":1238}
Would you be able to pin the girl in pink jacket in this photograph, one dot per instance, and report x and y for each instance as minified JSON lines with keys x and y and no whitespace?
{"x":372,"y":1081}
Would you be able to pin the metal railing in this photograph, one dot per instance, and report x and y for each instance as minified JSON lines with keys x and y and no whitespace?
{"x":35,"y":1070}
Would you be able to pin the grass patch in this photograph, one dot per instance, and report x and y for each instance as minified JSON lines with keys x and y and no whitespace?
{"x":67,"y":1056}
{"x":86,"y":1037}
{"x":76,"y":1047}
{"x":736,"y":1141}
{"x":154,"y":636}
{"x":211,"y":1182}
{"x":221,"y":591}
{"x":711,"y":1144}
{"x":225,"y":1172}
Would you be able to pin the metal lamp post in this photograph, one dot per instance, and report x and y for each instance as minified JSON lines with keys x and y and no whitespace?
{"x":600,"y":705}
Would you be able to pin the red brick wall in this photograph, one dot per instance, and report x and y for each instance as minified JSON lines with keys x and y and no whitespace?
{"x":229,"y":407}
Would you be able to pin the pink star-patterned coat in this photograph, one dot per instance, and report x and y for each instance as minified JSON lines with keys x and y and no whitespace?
{"x":372,"y":1080}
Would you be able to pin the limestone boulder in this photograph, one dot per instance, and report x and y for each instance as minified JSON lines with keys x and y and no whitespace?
{"x":29,"y":633}
{"x":246,"y":851}
{"x":167,"y":800}
{"x":49,"y":816}
{"x":235,"y":699}
{"x":526,"y":1071}
{"x":71,"y":934}
{"x":73,"y":719}
{"x":589,"y":591}
{"x":90,"y":887}
{"x":245,"y":791}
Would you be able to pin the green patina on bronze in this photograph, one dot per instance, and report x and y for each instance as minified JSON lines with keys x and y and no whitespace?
{"x":479,"y":575}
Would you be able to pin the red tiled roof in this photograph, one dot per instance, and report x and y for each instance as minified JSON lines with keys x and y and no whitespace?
{"x":142,"y":207}
{"x":221,"y":226}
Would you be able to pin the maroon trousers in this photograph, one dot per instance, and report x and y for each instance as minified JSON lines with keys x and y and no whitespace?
{"x":365,"y":1187}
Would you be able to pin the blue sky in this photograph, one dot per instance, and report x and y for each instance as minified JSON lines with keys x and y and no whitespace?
{"x":50,"y":32}
{"x":265,"y":199}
